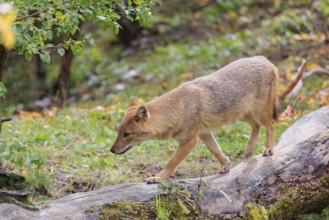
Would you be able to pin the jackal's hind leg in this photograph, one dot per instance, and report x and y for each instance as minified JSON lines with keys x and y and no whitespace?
{"x":252,"y":140}
{"x":270,"y":133}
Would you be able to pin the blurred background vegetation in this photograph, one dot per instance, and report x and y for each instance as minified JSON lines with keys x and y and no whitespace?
{"x":181,"y":40}
{"x":76,"y":64}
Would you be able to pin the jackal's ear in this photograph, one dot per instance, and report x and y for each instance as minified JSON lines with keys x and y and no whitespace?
{"x":141,"y":113}
{"x":134,"y":102}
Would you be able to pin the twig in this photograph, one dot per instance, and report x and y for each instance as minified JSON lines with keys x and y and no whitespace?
{"x":316,"y":71}
{"x":319,"y":71}
{"x":67,"y":147}
{"x":226,"y":196}
{"x":200,"y":185}
{"x":32,"y":15}
{"x":292,"y":85}
{"x":35,"y":14}
{"x":2,"y":121}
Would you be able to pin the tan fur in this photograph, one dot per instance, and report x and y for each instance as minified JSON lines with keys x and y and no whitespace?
{"x":243,"y":90}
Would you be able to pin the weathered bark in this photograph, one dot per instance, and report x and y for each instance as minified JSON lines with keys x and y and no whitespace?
{"x":3,"y":60}
{"x":129,"y":31}
{"x":62,"y":82}
{"x":293,"y":181}
{"x":40,"y":70}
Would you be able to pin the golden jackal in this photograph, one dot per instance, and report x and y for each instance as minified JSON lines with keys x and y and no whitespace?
{"x":243,"y":90}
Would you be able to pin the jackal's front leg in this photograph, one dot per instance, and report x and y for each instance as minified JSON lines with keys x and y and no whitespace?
{"x":183,"y":149}
{"x":214,"y":148}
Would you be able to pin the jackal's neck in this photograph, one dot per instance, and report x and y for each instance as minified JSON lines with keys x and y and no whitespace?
{"x":165,"y":115}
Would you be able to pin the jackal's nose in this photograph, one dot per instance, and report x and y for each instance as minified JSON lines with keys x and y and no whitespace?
{"x":112,"y":150}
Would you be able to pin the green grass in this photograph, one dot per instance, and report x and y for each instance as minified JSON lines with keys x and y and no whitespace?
{"x":320,"y":216}
{"x":76,"y":142}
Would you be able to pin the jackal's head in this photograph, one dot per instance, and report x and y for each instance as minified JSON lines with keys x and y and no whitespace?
{"x":133,"y":129}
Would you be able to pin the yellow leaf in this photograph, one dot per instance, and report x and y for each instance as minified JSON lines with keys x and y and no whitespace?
{"x":197,"y":15}
{"x":302,"y":37}
{"x":324,"y":84}
{"x":310,"y":66}
{"x":67,"y":117}
{"x":28,"y":115}
{"x":186,"y":76}
{"x":290,"y":75}
{"x":232,"y":15}
{"x":324,"y":99}
{"x":7,"y":17}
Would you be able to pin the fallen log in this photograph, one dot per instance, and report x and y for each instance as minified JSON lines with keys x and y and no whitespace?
{"x":295,"y":180}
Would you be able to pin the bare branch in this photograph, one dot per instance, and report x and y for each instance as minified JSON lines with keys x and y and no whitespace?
{"x":316,"y":71}
{"x":2,"y":121}
{"x":292,"y":85}
{"x":319,"y":71}
{"x":33,"y":15}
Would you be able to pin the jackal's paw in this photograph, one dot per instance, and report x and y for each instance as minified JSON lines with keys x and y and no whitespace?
{"x":246,"y":154}
{"x":153,"y":179}
{"x":268,"y":152}
{"x":225,"y":168}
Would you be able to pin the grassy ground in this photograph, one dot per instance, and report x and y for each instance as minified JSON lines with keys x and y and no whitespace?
{"x":63,"y":151}
{"x":68,"y":151}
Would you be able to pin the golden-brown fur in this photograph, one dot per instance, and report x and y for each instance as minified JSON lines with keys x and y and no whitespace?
{"x":243,"y":90}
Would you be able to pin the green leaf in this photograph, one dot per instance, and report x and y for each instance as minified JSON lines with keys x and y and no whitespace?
{"x":61,"y":51}
{"x":129,"y":18}
{"x":28,"y":56}
{"x":49,"y":34}
{"x":185,"y":210}
{"x":102,"y":18}
{"x":45,"y":57}
{"x":3,"y":90}
{"x":76,"y":47}
{"x":85,"y":2}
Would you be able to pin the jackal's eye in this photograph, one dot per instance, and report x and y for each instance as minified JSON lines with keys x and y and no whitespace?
{"x":125,"y":134}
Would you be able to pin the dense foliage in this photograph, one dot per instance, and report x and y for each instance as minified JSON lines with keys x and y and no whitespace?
{"x":43,"y":26}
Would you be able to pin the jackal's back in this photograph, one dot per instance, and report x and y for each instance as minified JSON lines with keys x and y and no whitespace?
{"x":242,"y":90}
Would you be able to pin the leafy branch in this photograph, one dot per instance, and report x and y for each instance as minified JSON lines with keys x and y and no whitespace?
{"x":33,"y":15}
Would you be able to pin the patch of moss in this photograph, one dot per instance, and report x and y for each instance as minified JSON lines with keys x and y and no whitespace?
{"x":256,"y":212}
{"x":304,"y":198}
{"x":12,"y":181}
{"x":24,"y":202}
{"x":177,"y":201}
{"x":127,"y":209}
{"x":172,"y":202}
{"x":324,"y":215}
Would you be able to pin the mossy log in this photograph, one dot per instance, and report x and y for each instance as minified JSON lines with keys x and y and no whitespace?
{"x":295,"y":180}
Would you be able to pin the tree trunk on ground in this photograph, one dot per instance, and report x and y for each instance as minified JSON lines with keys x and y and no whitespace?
{"x":293,"y":181}
{"x":3,"y":60}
